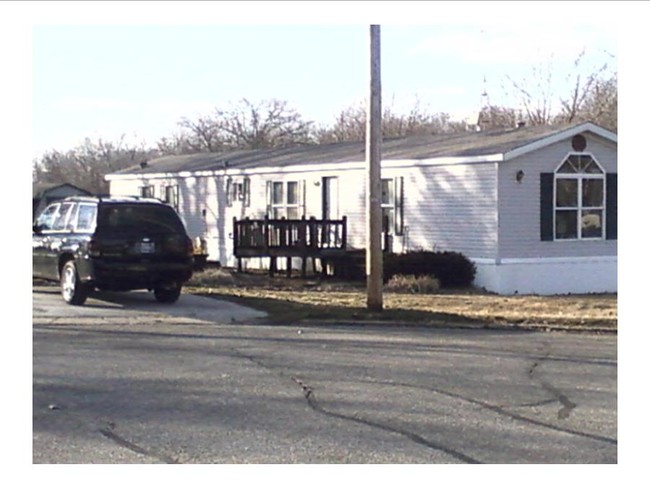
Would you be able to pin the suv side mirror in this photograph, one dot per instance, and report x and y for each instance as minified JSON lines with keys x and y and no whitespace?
{"x":36,"y":229}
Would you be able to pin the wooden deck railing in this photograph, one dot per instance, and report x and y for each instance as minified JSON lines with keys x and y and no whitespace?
{"x":303,"y":238}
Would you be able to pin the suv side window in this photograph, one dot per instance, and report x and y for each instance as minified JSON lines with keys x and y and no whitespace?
{"x":86,"y":217}
{"x":61,"y":217}
{"x":46,"y":219}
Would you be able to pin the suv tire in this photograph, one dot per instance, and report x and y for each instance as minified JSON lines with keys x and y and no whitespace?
{"x":73,"y":290}
{"x":167,"y":294}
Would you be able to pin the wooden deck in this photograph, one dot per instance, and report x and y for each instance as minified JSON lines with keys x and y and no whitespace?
{"x":284,"y":238}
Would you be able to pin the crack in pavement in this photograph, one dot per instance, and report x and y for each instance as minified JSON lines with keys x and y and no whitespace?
{"x":308,"y":392}
{"x":567,"y":405}
{"x":109,"y":432}
{"x":309,"y":395}
{"x":502,"y":411}
{"x":311,"y":401}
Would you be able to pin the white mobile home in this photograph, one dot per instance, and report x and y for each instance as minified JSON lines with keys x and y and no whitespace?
{"x":533,"y":207}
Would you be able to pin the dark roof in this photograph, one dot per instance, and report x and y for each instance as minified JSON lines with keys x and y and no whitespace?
{"x":39,"y":189}
{"x":464,"y":144}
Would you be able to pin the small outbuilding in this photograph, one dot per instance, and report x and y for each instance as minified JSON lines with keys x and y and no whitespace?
{"x":45,"y":193}
{"x":535,"y":208}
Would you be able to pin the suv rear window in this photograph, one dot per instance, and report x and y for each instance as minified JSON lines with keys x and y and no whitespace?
{"x":141,"y":216}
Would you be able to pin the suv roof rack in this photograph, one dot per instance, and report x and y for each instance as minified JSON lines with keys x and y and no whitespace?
{"x":115,"y":198}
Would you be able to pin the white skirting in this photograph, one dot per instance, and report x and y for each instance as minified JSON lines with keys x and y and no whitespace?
{"x":547,"y":276}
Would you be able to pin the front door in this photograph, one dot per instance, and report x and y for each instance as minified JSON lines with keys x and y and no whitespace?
{"x":331,"y":233}
{"x":330,"y":198}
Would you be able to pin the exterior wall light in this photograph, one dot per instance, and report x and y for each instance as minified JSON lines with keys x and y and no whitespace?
{"x":519,"y":176}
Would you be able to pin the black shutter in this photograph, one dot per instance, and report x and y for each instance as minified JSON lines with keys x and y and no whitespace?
{"x":229,"y":192}
{"x":399,"y":206}
{"x":247,"y":192}
{"x":611,"y":232}
{"x":546,"y":206}
{"x":269,"y":199}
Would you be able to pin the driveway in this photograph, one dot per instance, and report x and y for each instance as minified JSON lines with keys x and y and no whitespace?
{"x":124,"y":379}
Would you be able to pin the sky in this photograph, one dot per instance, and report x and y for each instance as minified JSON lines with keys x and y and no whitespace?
{"x":136,"y":80}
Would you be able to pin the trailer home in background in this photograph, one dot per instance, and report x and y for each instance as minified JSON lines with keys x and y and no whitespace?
{"x":535,"y":208}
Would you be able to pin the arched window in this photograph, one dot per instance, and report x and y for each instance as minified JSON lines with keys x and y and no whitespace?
{"x":579,"y":201}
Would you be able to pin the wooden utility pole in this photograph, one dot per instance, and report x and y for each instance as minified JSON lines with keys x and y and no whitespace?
{"x":374,"y":258}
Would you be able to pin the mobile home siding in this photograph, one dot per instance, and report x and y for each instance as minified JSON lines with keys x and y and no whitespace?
{"x":519,"y":203}
{"x":351,"y":193}
{"x":451,"y":208}
{"x":196,"y":197}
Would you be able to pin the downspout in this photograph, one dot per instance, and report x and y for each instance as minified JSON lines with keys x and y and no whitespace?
{"x":497,"y":257}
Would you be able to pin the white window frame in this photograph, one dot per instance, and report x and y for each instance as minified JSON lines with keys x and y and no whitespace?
{"x":238,"y":190}
{"x":579,"y":208}
{"x":281,"y":208}
{"x":394,"y":204}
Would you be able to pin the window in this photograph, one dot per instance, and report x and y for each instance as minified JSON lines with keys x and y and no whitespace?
{"x":86,"y":218}
{"x":579,"y":199}
{"x":62,"y":216}
{"x":285,"y":199}
{"x":238,"y":191}
{"x":154,"y":218}
{"x":147,"y":191}
{"x":46,"y":219}
{"x":170,"y":196}
{"x":392,"y":208}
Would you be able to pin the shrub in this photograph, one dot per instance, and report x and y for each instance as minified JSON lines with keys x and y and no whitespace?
{"x":413,"y":284}
{"x":452,"y":269}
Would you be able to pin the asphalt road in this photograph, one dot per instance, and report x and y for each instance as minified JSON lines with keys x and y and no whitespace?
{"x":126,"y":380}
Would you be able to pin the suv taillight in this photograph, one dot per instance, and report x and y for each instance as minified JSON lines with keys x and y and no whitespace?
{"x":94,"y":249}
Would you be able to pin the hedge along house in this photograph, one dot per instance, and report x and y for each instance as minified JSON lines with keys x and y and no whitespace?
{"x":533,"y":207}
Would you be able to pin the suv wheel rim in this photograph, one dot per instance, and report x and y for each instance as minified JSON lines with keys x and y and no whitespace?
{"x":68,"y":282}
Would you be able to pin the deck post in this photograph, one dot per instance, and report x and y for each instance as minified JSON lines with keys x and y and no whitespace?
{"x":272,"y":266}
{"x":303,"y":270}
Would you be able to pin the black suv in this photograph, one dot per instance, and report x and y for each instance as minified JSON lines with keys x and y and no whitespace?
{"x":112,"y":243}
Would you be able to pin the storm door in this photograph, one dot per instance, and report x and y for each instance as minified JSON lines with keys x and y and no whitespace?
{"x":330,"y":198}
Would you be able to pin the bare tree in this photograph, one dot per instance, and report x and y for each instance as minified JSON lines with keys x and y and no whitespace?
{"x":267,"y":124}
{"x":204,"y":134}
{"x":350,"y":124}
{"x":588,"y":95}
{"x":86,"y":165}
{"x":535,"y":94}
{"x":495,"y":117}
{"x":592,"y":95}
{"x":176,"y":144}
{"x":600,"y":105}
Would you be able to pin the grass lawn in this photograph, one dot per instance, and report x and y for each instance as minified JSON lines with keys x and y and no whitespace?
{"x":296,"y":300}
